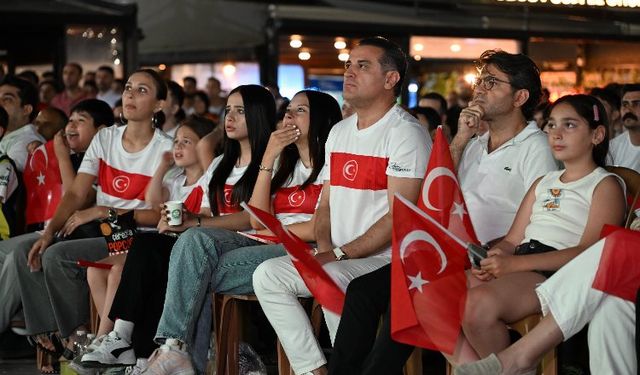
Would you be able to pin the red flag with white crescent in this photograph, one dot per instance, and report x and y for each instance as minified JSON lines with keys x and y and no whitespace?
{"x":441,"y":198}
{"x":43,"y":184}
{"x":433,"y":275}
{"x":320,"y":284}
{"x":619,"y":269}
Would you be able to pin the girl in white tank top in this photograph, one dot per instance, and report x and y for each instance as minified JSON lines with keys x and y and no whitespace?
{"x":564,"y":210}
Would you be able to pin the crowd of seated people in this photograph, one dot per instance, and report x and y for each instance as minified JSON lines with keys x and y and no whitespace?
{"x":98,"y":166}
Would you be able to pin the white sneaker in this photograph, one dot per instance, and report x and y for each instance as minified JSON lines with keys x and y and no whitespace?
{"x":169,"y":360}
{"x":141,"y":365}
{"x":111,"y":352}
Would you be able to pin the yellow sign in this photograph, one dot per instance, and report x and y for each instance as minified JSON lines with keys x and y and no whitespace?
{"x":591,"y":3}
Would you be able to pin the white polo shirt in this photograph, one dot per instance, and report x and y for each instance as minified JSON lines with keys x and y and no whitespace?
{"x":494,"y":184}
{"x":623,"y":153}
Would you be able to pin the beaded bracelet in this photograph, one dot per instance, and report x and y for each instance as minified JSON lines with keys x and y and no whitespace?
{"x":263,"y":168}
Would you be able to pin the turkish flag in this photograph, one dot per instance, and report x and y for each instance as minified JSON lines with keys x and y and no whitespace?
{"x":433,"y":275}
{"x":320,"y":284}
{"x":619,"y":269}
{"x":441,"y":198}
{"x":43,"y":184}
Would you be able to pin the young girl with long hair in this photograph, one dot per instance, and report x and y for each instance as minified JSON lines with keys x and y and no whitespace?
{"x":296,"y":154}
{"x":561,"y":216}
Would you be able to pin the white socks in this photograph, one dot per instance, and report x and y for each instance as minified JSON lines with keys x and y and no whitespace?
{"x":124,"y":329}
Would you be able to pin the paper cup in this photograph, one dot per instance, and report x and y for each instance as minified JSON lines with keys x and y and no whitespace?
{"x":175,"y":212}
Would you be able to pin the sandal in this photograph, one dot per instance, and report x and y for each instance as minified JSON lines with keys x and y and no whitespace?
{"x":53,"y":339}
{"x":55,"y":369}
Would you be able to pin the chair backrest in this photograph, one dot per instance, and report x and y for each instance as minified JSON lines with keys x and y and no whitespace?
{"x":631,"y":179}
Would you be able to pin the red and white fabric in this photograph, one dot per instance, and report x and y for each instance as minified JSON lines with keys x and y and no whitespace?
{"x":225,"y":206}
{"x":191,"y":195}
{"x":122,"y":176}
{"x":358,"y":162}
{"x":293,"y":205}
{"x":43,"y":184}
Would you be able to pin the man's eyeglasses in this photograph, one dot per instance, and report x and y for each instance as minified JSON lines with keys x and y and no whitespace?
{"x":487,"y":82}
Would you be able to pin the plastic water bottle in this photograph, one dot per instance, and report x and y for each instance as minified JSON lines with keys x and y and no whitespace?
{"x":81,"y":343}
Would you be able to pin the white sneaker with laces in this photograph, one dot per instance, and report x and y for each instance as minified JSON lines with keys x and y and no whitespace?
{"x":169,"y":360}
{"x":112,"y":351}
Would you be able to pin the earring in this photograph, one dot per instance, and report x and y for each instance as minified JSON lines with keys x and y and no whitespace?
{"x":154,"y":120}
{"x":123,"y":121}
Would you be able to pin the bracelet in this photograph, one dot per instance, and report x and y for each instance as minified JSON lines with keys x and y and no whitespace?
{"x":263,"y":168}
{"x":199,"y":221}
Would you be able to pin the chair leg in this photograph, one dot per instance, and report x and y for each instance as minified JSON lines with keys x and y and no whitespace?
{"x":234,"y":338}
{"x":414,"y":363}
{"x":222,"y":332}
{"x":284,"y":367}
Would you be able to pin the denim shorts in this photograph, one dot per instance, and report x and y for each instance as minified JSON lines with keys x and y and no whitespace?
{"x":535,"y":247}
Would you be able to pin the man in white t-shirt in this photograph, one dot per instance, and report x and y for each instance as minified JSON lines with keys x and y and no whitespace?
{"x":20,"y":99}
{"x":370,"y":156}
{"x":104,"y":81}
{"x":495,"y":170}
{"x":624,"y":149}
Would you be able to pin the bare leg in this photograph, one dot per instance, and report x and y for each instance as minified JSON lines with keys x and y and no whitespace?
{"x":105,"y":284}
{"x":491,"y":305}
{"x":524,"y":355}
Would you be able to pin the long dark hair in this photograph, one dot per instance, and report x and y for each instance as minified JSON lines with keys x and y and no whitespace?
{"x":592,"y":110}
{"x":260,"y":116}
{"x":324,"y":112}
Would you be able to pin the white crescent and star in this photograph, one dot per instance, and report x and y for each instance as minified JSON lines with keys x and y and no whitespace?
{"x":296,"y":199}
{"x":420,"y":235}
{"x":433,"y":174}
{"x":46,"y":162}
{"x":121,"y":183}
{"x":350,"y":170}
{"x":458,"y":209}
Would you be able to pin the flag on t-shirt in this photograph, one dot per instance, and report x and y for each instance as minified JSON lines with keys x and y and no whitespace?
{"x":43,"y":184}
{"x":433,"y":261}
{"x":619,"y":269}
{"x":441,"y":198}
{"x":317,"y":280}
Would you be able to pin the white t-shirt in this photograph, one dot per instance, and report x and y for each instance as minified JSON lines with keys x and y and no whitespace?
{"x":358,"y":163}
{"x":494,"y":184}
{"x":191,"y":195}
{"x":292,"y":205}
{"x":623,"y":153}
{"x":122,"y":177}
{"x":110,"y":97}
{"x":14,"y":144}
{"x":8,"y":180}
{"x":561,"y":210}
{"x":225,"y":207}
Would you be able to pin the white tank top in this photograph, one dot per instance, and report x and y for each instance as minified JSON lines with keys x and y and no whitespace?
{"x":561,"y":210}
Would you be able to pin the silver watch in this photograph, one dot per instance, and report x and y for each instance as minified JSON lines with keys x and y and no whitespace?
{"x":340,"y":255}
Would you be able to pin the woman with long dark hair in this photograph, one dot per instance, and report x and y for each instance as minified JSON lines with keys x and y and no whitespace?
{"x":224,"y":260}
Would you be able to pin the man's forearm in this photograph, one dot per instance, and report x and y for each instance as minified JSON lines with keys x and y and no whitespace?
{"x":457,"y":146}
{"x":323,"y":229}
{"x":376,"y":238}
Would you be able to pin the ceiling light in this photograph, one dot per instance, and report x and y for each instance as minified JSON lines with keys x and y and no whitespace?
{"x":340,"y":43}
{"x":304,"y":55}
{"x":295,"y":41}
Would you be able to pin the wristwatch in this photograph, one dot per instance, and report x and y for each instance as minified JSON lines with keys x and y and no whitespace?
{"x":112,"y":215}
{"x":340,"y":255}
